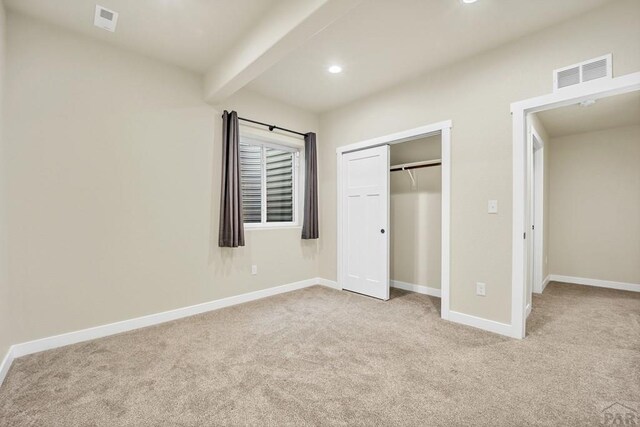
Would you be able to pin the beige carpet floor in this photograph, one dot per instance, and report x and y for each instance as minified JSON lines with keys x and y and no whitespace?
{"x":324,"y":357}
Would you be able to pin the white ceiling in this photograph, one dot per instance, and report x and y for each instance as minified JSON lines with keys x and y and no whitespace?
{"x":606,"y":113}
{"x":189,"y":33}
{"x":382,"y":42}
{"x":379,"y":43}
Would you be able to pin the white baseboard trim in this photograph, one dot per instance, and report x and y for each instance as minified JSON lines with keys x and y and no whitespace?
{"x":545,"y":282}
{"x":623,"y":286}
{"x":434,"y":292}
{"x":540,"y":288}
{"x":6,"y":364}
{"x":56,"y":341}
{"x":481,"y":323}
{"x":328,"y":283}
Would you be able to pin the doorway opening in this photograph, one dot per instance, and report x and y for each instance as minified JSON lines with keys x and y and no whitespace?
{"x":591,"y":199}
{"x":363,"y":239}
{"x":531,"y":253}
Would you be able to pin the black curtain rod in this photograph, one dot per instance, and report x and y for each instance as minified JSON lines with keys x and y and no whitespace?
{"x":271,"y":127}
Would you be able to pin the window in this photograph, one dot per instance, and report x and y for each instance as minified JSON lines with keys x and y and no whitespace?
{"x":268,"y":175}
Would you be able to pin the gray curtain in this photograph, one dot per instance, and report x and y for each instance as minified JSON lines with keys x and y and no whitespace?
{"x":310,"y":221}
{"x":231,"y":232}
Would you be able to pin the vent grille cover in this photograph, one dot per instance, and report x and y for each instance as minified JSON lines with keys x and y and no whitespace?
{"x":106,"y":14}
{"x":105,"y":18}
{"x":593,"y":69}
{"x":569,"y":77}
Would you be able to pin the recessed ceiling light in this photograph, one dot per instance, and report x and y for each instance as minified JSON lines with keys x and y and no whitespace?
{"x":469,"y":1}
{"x":335,"y":69}
{"x":588,"y":103}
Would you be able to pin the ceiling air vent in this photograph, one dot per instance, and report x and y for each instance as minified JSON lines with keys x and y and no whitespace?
{"x":105,"y":18}
{"x":593,"y":69}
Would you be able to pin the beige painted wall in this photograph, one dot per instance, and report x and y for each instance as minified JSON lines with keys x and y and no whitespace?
{"x":595,"y":205}
{"x":114,"y":181}
{"x":112,"y":162}
{"x":6,"y":321}
{"x":416,"y":214}
{"x":476,"y":95}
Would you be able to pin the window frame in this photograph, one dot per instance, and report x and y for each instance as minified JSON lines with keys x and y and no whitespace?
{"x":296,"y":149}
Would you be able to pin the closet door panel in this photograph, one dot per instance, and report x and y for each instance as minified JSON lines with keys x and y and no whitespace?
{"x":365,"y":217}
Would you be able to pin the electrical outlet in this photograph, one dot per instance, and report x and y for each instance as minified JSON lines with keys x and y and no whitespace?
{"x":254,"y":269}
{"x":481,"y":289}
{"x":492,"y":207}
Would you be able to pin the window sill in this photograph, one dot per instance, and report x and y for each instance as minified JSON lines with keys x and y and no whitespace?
{"x":271,"y":227}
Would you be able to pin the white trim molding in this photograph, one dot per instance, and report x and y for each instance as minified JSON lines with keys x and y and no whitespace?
{"x":6,"y":364}
{"x":398,"y":137}
{"x":445,"y":225}
{"x":420,"y":289}
{"x":623,"y":286}
{"x":545,"y":282}
{"x":538,"y":166}
{"x":328,"y":283}
{"x":481,"y":323}
{"x":597,"y":89}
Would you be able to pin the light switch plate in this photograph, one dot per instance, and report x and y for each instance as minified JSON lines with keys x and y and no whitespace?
{"x":254,"y":269}
{"x":492,"y":207}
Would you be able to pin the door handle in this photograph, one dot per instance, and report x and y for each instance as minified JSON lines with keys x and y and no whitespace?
{"x":382,"y":230}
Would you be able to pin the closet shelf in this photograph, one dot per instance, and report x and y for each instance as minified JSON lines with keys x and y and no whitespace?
{"x":416,"y":165}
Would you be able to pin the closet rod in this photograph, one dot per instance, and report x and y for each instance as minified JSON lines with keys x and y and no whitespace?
{"x":416,"y":165}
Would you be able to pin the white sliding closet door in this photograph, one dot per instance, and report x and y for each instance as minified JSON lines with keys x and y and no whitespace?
{"x":365,"y":219}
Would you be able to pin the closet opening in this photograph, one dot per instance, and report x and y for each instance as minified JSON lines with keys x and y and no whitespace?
{"x":416,"y":215}
{"x":394,"y":213}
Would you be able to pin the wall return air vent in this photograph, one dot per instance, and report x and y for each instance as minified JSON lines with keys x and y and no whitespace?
{"x":584,"y":72}
{"x":105,"y":18}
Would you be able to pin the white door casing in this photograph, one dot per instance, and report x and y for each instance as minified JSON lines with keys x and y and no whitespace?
{"x":538,"y":210}
{"x":529,"y":228}
{"x":535,"y":178}
{"x":365,"y":205}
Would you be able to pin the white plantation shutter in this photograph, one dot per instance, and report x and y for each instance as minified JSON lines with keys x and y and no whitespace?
{"x":279,"y":185}
{"x":251,"y":182}
{"x":267,"y":177}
